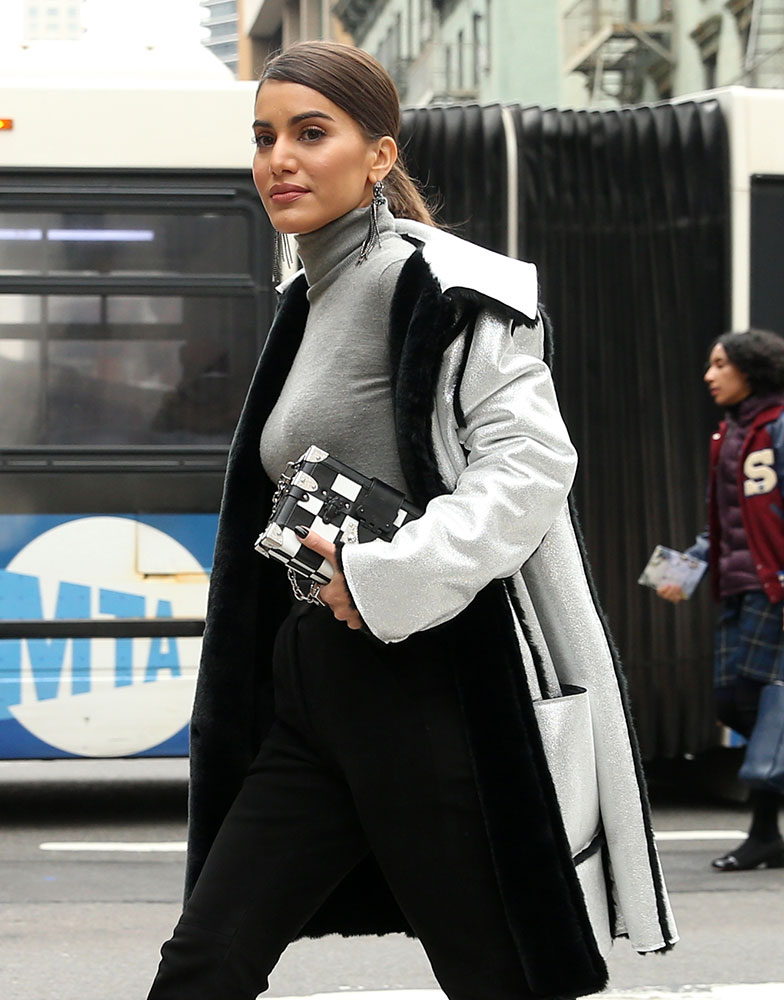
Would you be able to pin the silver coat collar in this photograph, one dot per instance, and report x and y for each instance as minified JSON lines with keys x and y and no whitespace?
{"x":456,"y":263}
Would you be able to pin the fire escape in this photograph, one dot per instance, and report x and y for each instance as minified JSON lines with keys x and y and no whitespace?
{"x":761,"y":23}
{"x":618,"y":44}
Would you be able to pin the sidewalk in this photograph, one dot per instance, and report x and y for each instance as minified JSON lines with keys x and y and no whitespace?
{"x":737,"y":991}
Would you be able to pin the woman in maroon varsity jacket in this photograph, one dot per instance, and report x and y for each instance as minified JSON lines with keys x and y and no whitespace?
{"x":744,"y":545}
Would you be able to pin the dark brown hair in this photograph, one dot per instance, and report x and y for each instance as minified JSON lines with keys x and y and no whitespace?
{"x":759,"y":354}
{"x":360,"y":86}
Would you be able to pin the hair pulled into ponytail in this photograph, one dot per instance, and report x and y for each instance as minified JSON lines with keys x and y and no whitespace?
{"x":359,"y":85}
{"x":404,"y":195}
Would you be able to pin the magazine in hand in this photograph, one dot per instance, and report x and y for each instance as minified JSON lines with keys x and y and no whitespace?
{"x":670,"y":566}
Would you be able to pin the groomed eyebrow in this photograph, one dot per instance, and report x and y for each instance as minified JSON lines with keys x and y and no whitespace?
{"x":296,"y":119}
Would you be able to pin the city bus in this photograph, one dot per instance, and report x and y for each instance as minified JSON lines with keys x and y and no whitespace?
{"x":135,"y":292}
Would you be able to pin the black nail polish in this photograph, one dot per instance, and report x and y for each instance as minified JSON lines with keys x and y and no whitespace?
{"x":301,"y":531}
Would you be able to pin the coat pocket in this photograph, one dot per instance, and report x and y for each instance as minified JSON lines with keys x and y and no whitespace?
{"x":567,"y":736}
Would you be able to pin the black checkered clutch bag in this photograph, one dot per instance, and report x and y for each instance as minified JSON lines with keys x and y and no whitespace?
{"x":336,"y":502}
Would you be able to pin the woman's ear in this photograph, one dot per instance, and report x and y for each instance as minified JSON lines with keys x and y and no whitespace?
{"x":386,"y":157}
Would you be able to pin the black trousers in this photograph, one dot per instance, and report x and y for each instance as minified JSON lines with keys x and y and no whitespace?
{"x":367,"y":754}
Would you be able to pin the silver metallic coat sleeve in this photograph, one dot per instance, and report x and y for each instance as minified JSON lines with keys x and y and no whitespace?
{"x":520,"y":468}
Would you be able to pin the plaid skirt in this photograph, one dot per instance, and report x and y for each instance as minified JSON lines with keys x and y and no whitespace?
{"x":749,"y":640}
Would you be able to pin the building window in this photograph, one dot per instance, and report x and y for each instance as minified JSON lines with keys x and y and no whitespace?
{"x":477,"y":49}
{"x":488,"y":39}
{"x":460,"y":76}
{"x":425,"y":20}
{"x":709,"y":65}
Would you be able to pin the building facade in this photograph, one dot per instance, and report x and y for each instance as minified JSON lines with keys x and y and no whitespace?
{"x":575,"y":53}
{"x":221,"y":18}
{"x":562,"y":53}
{"x":454,"y":50}
{"x":267,"y":26}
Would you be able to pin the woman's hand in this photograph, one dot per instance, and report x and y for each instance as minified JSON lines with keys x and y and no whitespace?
{"x":671,"y":592}
{"x":335,"y":593}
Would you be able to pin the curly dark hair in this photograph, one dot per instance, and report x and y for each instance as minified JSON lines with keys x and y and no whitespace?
{"x":759,"y":354}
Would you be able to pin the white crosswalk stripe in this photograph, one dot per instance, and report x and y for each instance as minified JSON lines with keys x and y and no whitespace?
{"x":177,"y":846}
{"x":674,"y":835}
{"x":736,"y":991}
{"x":115,"y":846}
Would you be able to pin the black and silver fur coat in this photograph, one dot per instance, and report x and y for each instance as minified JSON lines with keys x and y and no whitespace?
{"x":466,"y":342}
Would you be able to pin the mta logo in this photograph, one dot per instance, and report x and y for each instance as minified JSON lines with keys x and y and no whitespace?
{"x":62,"y":667}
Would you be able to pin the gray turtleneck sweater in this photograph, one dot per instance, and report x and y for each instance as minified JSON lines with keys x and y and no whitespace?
{"x":338,"y":393}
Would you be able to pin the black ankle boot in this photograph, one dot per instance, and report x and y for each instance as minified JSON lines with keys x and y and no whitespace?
{"x":752,"y":853}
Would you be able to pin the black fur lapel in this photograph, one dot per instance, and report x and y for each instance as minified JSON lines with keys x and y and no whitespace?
{"x":422,"y":325}
{"x":233,"y":705}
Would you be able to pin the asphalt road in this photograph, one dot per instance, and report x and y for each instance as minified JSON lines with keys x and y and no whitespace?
{"x":91,"y":872}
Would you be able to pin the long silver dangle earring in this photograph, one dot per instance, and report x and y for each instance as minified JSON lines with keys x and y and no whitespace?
{"x":373,"y":238}
{"x":281,"y":254}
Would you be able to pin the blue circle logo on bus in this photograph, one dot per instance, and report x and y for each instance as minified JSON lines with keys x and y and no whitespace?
{"x":101,"y":697}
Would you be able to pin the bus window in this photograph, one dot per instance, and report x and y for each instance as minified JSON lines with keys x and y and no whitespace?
{"x":123,"y":370}
{"x":765,"y":286}
{"x":123,"y":243}
{"x":129,"y":326}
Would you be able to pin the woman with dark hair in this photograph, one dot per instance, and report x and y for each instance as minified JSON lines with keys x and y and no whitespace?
{"x":744,"y":545}
{"x":375,"y":761}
